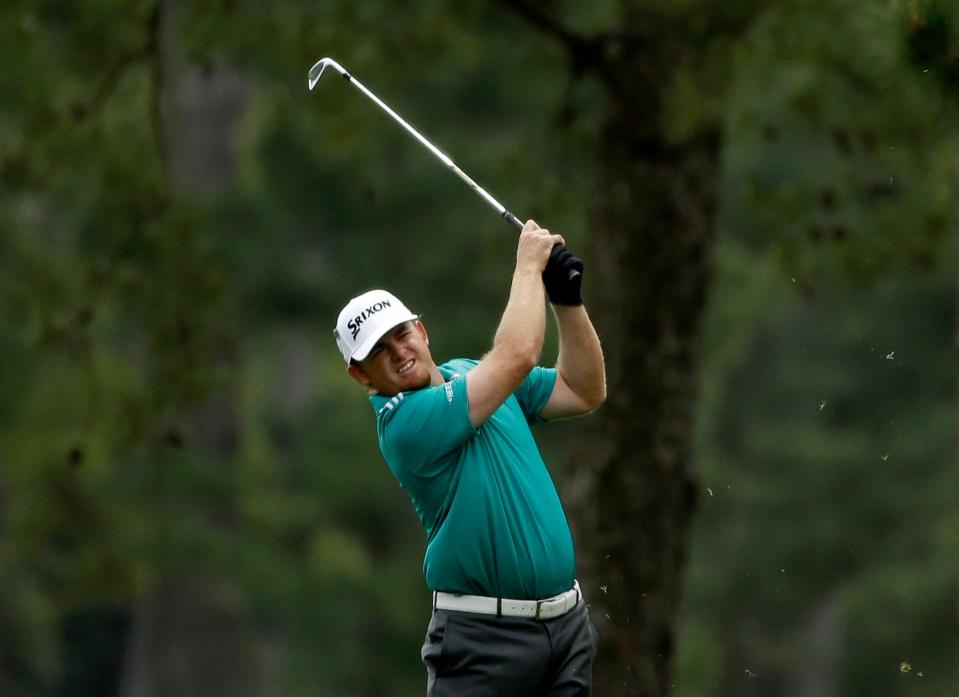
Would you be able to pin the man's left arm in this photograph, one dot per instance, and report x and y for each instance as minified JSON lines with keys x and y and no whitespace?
{"x":581,"y":372}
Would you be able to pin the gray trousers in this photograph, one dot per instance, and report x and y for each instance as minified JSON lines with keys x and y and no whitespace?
{"x":473,"y":655}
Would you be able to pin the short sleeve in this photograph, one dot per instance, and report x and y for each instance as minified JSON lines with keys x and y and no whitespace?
{"x":418,"y":430}
{"x":535,"y":391}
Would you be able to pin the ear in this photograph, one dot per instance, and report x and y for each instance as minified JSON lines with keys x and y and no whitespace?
{"x":422,"y":331}
{"x":358,"y":374}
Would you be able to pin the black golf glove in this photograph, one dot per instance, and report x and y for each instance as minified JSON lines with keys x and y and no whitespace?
{"x":561,"y":289}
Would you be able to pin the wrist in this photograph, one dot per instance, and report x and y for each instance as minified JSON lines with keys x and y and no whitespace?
{"x":563,"y":311}
{"x":527,"y":268}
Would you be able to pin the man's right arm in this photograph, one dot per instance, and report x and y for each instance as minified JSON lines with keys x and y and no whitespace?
{"x":519,"y":338}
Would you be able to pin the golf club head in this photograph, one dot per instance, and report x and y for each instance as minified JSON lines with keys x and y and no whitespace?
{"x":317,"y":70}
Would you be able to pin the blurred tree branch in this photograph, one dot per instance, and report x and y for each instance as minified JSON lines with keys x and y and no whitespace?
{"x":584,"y":51}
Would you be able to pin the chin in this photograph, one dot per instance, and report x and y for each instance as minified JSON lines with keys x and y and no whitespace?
{"x":417,"y":381}
{"x":421,"y":382}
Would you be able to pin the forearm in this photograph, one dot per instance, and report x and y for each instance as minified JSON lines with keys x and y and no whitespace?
{"x":516,"y":348}
{"x":519,"y":338}
{"x":523,"y":325}
{"x":580,"y":360}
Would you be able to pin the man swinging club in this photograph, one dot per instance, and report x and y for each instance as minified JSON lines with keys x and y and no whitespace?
{"x":508,"y":616}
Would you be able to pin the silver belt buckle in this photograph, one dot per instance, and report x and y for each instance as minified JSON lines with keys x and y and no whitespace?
{"x":550,"y":601}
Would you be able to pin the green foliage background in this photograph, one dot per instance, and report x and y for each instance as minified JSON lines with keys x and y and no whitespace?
{"x":140,"y":305}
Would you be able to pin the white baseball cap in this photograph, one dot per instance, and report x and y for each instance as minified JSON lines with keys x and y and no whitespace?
{"x":364,"y":321}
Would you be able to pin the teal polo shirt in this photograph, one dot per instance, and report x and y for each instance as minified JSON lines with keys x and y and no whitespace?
{"x":494,"y":522}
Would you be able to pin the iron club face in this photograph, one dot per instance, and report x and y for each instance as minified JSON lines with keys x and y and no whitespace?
{"x":317,"y":70}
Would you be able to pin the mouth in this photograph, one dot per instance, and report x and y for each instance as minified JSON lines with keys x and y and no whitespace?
{"x":406,"y":366}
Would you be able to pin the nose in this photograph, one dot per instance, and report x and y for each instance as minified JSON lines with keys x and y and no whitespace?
{"x":395,"y":350}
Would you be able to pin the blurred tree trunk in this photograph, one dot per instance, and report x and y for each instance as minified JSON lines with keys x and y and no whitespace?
{"x":188,"y":640}
{"x":955,"y":225}
{"x":822,"y":632}
{"x":7,"y":658}
{"x":192,"y":635}
{"x":632,"y":488}
{"x":632,"y":492}
{"x":929,"y":40}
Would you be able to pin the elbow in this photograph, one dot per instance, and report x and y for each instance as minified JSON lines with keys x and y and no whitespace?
{"x":525,"y":360}
{"x":601,"y":397}
{"x":594,"y":397}
{"x":524,"y":356}
{"x":516,"y":361}
{"x":597,"y":397}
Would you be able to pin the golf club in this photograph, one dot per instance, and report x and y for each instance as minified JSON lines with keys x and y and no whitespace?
{"x":314,"y":75}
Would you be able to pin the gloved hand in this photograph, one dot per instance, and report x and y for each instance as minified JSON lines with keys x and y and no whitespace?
{"x":561,"y":289}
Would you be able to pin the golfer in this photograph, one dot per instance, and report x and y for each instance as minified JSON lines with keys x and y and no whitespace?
{"x":508,"y":616}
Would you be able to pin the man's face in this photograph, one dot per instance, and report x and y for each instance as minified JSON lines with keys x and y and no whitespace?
{"x":398,"y":362}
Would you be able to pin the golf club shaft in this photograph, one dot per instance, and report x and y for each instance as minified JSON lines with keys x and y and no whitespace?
{"x":440,"y":155}
{"x":314,"y":76}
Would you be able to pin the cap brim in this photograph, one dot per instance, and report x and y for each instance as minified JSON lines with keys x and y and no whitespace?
{"x":363,"y":350}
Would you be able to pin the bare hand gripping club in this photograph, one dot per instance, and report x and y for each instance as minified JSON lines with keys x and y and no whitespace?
{"x":317,"y":70}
